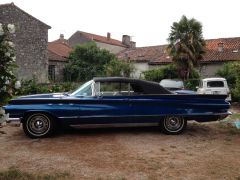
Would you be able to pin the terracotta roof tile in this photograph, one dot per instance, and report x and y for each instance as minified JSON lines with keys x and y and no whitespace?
{"x":231,"y":49}
{"x":59,"y":49}
{"x":55,"y":57}
{"x":158,"y":54}
{"x":151,"y":54}
{"x":102,"y":39}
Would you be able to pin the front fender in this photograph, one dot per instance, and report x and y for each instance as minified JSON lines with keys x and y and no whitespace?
{"x":29,"y":112}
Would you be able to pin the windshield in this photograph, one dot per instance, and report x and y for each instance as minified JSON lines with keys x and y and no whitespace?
{"x":172,"y":83}
{"x":84,"y":90}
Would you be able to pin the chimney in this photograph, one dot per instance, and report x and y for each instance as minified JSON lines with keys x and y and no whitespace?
{"x":220,"y":47}
{"x":132,"y":44}
{"x":108,"y":36}
{"x":61,"y":36}
{"x":126,"y":40}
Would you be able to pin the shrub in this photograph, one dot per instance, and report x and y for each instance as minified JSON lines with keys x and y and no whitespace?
{"x":170,"y":72}
{"x":7,"y":62}
{"x":230,"y":71}
{"x":32,"y":87}
{"x":167,"y":72}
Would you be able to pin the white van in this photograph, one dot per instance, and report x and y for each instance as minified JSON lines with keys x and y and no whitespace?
{"x":214,"y":86}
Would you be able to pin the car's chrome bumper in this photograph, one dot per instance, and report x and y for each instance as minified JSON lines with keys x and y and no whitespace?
{"x":16,"y":121}
{"x":223,"y":116}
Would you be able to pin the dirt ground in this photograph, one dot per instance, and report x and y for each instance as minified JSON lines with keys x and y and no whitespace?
{"x":204,"y":151}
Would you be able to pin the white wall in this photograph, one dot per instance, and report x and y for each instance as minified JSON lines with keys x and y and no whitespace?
{"x":209,"y":70}
{"x":112,"y":48}
{"x":139,"y":68}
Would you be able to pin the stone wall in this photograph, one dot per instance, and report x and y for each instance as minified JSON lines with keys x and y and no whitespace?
{"x":76,"y":39}
{"x":30,"y":41}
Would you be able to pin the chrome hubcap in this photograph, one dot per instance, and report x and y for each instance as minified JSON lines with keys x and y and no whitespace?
{"x":38,"y":124}
{"x":173,"y":123}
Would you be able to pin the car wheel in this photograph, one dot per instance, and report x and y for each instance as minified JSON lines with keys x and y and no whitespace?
{"x":173,"y":125}
{"x":38,"y":125}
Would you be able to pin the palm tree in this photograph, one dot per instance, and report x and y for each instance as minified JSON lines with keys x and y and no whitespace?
{"x":186,"y":45}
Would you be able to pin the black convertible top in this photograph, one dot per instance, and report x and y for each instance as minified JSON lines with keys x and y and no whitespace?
{"x":147,"y":87}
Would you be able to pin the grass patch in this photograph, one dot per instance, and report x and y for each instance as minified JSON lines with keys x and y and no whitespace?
{"x":15,"y":173}
{"x":235,"y":116}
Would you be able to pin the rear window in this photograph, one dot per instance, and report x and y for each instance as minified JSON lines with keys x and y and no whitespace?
{"x":215,"y":84}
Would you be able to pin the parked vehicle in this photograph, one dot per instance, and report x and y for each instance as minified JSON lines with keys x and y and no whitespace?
{"x":115,"y":100}
{"x":214,"y":86}
{"x":176,"y":86}
{"x":172,"y":84}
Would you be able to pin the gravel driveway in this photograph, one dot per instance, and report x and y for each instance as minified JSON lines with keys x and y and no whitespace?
{"x":204,"y":151}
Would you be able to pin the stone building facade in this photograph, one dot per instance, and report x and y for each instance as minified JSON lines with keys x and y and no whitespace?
{"x":104,"y":42}
{"x":30,"y":39}
{"x":218,"y":52}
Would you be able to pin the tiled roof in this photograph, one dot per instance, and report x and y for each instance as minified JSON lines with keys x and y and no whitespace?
{"x":158,"y":54}
{"x":63,"y":41}
{"x":58,"y":51}
{"x":151,"y":54}
{"x":102,"y":39}
{"x":231,"y":50}
{"x":55,"y":57}
{"x":12,"y":4}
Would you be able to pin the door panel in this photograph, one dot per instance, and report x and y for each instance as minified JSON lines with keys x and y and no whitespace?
{"x":101,"y":110}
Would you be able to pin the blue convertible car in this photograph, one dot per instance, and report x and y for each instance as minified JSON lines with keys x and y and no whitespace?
{"x":115,"y":100}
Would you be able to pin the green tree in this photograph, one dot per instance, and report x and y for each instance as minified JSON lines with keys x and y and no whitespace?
{"x":230,"y":71}
{"x":118,"y":67}
{"x":87,"y":61}
{"x":7,"y":62}
{"x":186,"y":45}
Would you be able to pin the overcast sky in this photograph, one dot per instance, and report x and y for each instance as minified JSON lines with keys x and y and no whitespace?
{"x":147,"y":21}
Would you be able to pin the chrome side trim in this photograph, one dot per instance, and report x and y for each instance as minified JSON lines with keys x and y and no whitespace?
{"x":113,"y":125}
{"x":140,"y":115}
{"x":111,"y":116}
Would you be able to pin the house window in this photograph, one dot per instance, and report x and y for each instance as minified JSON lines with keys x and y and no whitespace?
{"x":51,"y":72}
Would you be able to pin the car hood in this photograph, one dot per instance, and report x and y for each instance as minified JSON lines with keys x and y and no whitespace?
{"x":50,"y":95}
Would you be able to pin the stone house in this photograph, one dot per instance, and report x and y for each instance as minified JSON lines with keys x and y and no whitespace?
{"x":30,"y":39}
{"x":113,"y":45}
{"x":58,"y":52}
{"x":218,"y":52}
